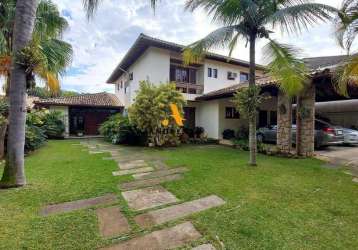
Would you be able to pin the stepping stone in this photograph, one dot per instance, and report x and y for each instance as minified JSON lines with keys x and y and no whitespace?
{"x":160,"y":173}
{"x":204,"y":247}
{"x":146,"y":198}
{"x":111,"y":222}
{"x":133,"y":164}
{"x":132,"y":171}
{"x":168,"y":238}
{"x":175,"y":212}
{"x":149,"y":182}
{"x":355,"y":180}
{"x":80,"y":204}
{"x":160,"y":165}
{"x":95,"y":152}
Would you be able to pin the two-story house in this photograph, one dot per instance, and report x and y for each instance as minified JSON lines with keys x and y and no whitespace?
{"x":160,"y":61}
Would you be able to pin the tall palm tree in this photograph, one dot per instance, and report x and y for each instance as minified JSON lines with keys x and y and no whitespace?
{"x":40,"y":52}
{"x":252,"y":20}
{"x":24,"y":22}
{"x":49,"y":55}
{"x":347,"y":32}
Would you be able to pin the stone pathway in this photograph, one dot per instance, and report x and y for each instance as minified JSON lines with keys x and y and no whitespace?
{"x":80,"y":204}
{"x":204,"y":247}
{"x":145,"y":193}
{"x":111,"y":222}
{"x":168,"y":238}
{"x":146,"y":198}
{"x":179,"y":211}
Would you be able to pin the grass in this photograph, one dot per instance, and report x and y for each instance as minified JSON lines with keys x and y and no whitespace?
{"x":282,"y":204}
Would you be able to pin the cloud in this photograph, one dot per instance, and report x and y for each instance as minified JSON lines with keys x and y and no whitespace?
{"x":101,"y":43}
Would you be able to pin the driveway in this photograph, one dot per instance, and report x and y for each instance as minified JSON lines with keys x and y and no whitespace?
{"x":343,"y":155}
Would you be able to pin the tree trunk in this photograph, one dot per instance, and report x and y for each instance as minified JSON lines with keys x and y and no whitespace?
{"x":252,"y":120}
{"x":3,"y":128}
{"x":14,"y":172}
{"x":298,"y":126}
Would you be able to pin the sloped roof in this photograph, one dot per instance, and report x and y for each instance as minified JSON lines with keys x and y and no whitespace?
{"x":229,"y":91}
{"x":92,"y":100}
{"x":316,"y":65}
{"x":143,"y":42}
{"x":324,"y":62}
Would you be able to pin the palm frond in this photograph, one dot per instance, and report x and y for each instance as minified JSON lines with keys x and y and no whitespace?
{"x":49,"y":23}
{"x":347,"y":75}
{"x":50,"y":79}
{"x":347,"y":24}
{"x":285,"y":67}
{"x":57,"y":55}
{"x":299,"y":16}
{"x":219,"y":38}
{"x":91,"y":6}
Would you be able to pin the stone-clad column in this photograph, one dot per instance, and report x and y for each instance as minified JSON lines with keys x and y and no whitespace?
{"x":307,"y":117}
{"x":284,"y":123}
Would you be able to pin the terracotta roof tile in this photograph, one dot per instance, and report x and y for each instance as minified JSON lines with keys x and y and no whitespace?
{"x":96,"y":100}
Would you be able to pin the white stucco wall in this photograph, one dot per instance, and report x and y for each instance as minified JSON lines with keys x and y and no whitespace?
{"x":65,"y":117}
{"x":207,"y":116}
{"x":212,"y":84}
{"x":153,"y":65}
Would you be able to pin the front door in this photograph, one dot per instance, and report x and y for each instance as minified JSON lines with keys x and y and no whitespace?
{"x":77,"y":124}
{"x":189,"y":116}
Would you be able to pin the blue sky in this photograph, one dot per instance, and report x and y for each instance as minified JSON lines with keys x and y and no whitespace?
{"x":101,"y":43}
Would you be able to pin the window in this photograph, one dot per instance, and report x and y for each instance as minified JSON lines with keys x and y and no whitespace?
{"x":244,"y":77}
{"x":273,"y":117}
{"x":121,"y":85}
{"x":131,"y":76}
{"x":215,"y":73}
{"x":231,"y":113}
{"x":125,"y":90}
{"x":210,"y":72}
{"x":231,"y":75}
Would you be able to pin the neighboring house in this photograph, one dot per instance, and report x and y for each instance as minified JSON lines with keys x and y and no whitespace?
{"x":160,"y":61}
{"x":83,"y":113}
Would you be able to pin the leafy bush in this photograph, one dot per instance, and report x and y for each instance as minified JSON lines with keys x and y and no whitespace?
{"x":118,"y":130}
{"x":53,"y":125}
{"x":34,"y":138}
{"x":243,"y":133}
{"x":228,"y":134}
{"x":152,"y":107}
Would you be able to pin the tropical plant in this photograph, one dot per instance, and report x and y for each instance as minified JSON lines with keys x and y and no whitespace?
{"x":53,"y":125}
{"x":29,"y":37}
{"x":43,"y":92}
{"x":252,"y":20}
{"x":346,"y":34}
{"x":46,"y":55}
{"x":151,"y":113}
{"x":118,"y":130}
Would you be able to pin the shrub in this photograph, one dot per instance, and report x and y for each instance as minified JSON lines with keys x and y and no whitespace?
{"x":34,"y":138}
{"x":152,"y":107}
{"x":53,"y":125}
{"x":243,"y":133}
{"x":199,"y":132}
{"x":118,"y":130}
{"x":228,"y":134}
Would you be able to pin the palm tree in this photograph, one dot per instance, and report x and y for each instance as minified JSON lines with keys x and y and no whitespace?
{"x":24,"y":22}
{"x":347,"y":31}
{"x":252,"y":20}
{"x":49,"y":55}
{"x":24,"y":53}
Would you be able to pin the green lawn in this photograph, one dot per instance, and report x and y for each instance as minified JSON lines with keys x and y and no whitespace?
{"x":282,"y":204}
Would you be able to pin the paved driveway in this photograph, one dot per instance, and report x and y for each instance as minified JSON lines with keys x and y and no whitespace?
{"x":342,"y":155}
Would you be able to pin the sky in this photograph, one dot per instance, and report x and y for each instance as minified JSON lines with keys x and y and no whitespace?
{"x":100,"y":44}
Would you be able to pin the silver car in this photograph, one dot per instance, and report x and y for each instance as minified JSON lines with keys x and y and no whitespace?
{"x":325,"y":134}
{"x":350,"y":136}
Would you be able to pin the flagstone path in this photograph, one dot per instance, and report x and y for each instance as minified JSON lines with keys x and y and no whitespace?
{"x":143,"y":193}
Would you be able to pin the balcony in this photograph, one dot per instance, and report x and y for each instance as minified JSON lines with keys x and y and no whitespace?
{"x":185,"y":79}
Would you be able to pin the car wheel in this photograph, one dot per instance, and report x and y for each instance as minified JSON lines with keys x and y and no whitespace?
{"x":260,"y":137}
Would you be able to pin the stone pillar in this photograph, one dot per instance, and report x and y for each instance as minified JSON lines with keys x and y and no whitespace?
{"x":284,"y":123}
{"x":307,"y":116}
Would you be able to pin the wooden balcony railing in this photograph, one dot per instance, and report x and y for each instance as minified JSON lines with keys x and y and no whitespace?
{"x":189,"y":88}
